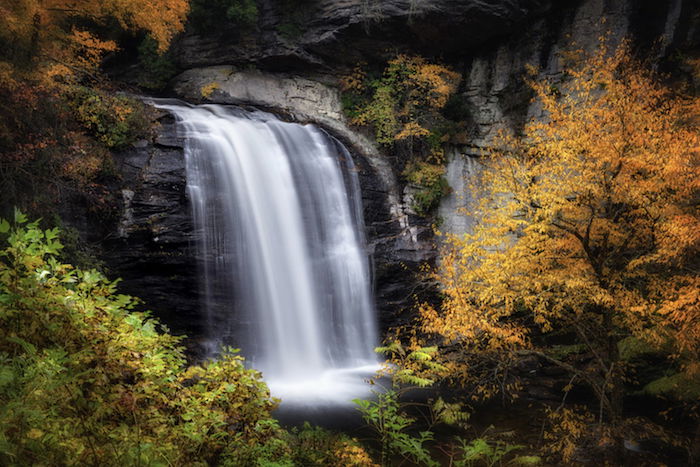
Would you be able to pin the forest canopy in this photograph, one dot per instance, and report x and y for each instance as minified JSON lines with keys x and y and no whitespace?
{"x":60,"y":38}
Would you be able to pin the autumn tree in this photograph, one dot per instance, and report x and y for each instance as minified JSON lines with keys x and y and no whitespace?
{"x":62,"y":37}
{"x":406,"y":101}
{"x":56,"y":124}
{"x":588,"y":226}
{"x":404,"y":108}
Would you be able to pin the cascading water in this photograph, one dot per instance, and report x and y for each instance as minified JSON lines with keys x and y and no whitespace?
{"x":284,"y":274}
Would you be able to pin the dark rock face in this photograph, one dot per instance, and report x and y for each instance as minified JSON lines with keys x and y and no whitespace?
{"x":320,"y":33}
{"x":152,"y":250}
{"x":397,"y":254}
{"x":494,"y":91}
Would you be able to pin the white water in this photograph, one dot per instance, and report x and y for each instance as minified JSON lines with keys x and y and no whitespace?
{"x":280,"y":241}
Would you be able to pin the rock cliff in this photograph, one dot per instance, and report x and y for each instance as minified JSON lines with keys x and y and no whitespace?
{"x":293,"y":71}
{"x":496,"y":97}
{"x":323,"y":34}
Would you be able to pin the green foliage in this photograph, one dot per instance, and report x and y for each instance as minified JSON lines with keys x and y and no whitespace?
{"x":430,"y":180}
{"x":116,"y":121}
{"x":381,"y":112}
{"x":404,"y":108}
{"x":85,"y":380}
{"x":208,"y":15}
{"x":405,"y":102}
{"x":561,"y":352}
{"x":633,"y":348}
{"x":316,"y":446}
{"x":156,"y":68}
{"x":527,"y":460}
{"x":269,"y":449}
{"x":308,"y":446}
{"x":398,"y":436}
{"x":312,"y":445}
{"x":409,"y":366}
{"x":449,"y":413}
{"x":352,"y":103}
{"x":290,"y":30}
{"x":391,"y":425}
{"x":295,"y":17}
{"x":676,"y":385}
{"x":482,"y":451}
{"x":243,"y":12}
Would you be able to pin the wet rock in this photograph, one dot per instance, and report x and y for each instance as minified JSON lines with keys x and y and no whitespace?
{"x":153,"y":249}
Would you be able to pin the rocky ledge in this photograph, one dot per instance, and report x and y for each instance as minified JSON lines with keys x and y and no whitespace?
{"x":318,"y":34}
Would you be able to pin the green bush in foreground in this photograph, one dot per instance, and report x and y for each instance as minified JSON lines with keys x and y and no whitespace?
{"x":84,"y":380}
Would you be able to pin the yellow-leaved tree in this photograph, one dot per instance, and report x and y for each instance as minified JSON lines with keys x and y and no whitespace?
{"x":57,"y":114}
{"x":588,"y":227}
{"x":407,"y":99}
{"x":62,"y":37}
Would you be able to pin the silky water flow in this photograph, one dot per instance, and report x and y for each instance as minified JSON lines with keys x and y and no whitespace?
{"x":283,"y":266}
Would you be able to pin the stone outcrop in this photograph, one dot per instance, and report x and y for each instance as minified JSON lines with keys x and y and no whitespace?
{"x":300,"y":97}
{"x":494,"y":90}
{"x":320,"y":34}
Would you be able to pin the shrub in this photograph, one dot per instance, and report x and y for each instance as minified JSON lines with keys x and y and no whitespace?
{"x":44,"y":152}
{"x":404,"y":108}
{"x":207,"y":15}
{"x":85,"y":380}
{"x":156,"y":67}
{"x":391,"y":425}
{"x":290,"y":30}
{"x":431,"y":183}
{"x":406,"y":101}
{"x":116,"y":121}
{"x":411,"y":366}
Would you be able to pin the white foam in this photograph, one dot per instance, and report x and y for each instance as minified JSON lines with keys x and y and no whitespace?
{"x":331,"y":387}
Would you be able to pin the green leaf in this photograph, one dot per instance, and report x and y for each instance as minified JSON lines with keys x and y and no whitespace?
{"x":527,"y":460}
{"x":7,"y":376}
{"x":20,"y":218}
{"x":4,"y":226}
{"x":28,"y":347}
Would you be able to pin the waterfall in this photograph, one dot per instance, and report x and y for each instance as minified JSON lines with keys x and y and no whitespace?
{"x":283,"y":269}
